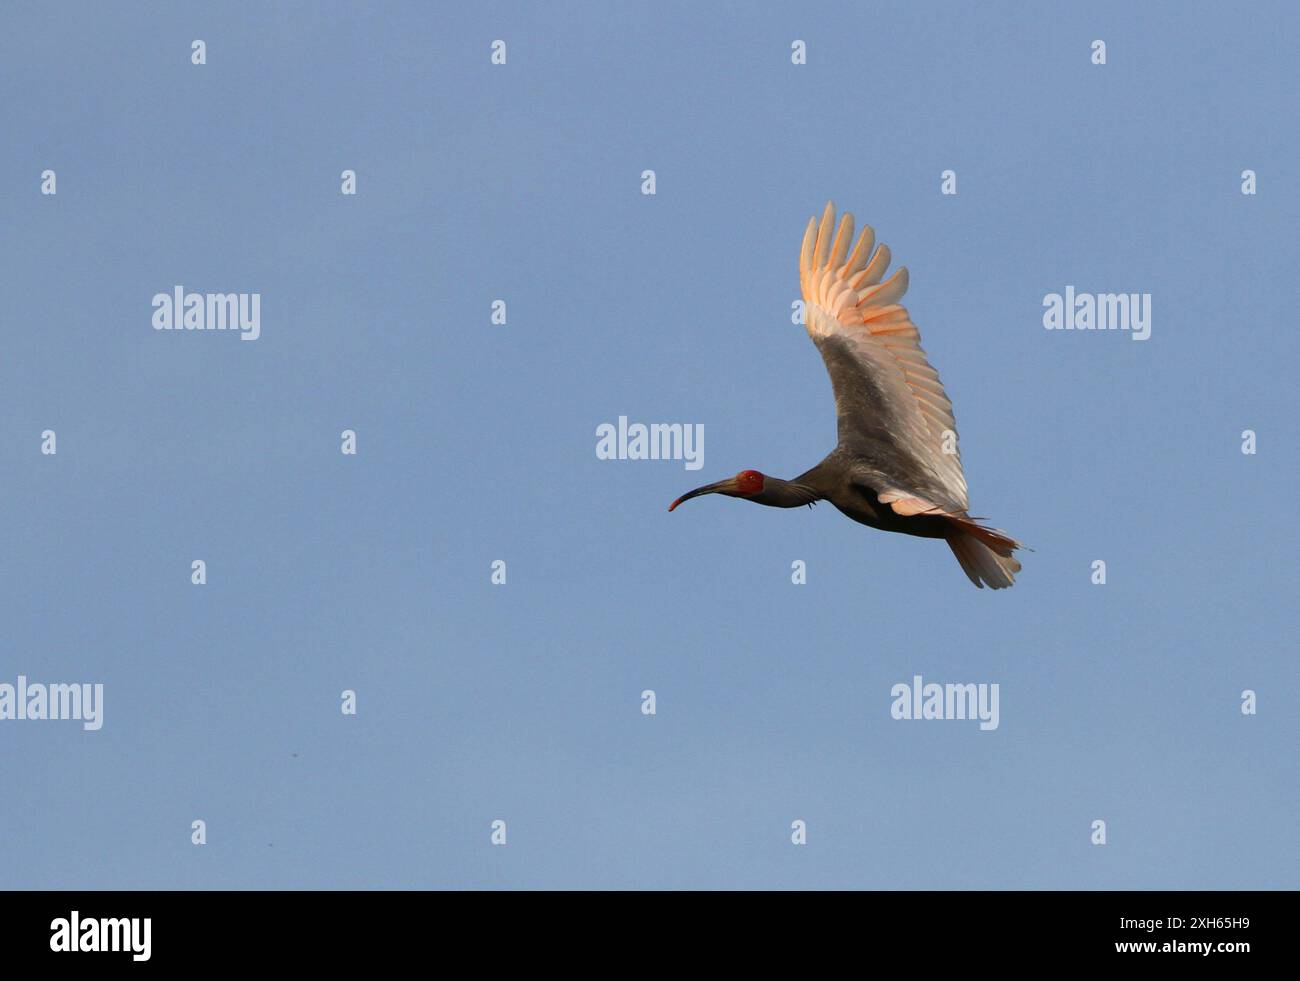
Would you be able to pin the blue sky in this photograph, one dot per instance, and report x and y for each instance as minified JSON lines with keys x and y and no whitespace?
{"x":477,"y":443}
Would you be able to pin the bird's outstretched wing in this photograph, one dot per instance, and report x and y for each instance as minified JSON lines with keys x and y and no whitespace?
{"x":893,"y":413}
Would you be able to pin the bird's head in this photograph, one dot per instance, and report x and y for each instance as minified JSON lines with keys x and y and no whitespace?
{"x":747,"y":483}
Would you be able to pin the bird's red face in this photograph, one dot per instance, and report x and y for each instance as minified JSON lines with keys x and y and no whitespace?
{"x":747,"y":483}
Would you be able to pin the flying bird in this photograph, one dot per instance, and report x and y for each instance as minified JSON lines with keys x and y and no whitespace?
{"x":896,"y":466}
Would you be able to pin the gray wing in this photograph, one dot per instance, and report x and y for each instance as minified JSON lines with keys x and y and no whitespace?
{"x":893,"y":414}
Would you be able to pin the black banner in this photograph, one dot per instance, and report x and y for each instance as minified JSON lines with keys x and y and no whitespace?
{"x":169,"y":930}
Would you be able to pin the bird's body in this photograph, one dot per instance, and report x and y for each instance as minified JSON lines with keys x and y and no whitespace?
{"x":861,"y":502}
{"x":896,"y":466}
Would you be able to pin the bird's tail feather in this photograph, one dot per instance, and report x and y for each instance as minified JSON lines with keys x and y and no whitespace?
{"x":986,"y":554}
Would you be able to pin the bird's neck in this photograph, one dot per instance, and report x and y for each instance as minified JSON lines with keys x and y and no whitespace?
{"x":778,"y":493}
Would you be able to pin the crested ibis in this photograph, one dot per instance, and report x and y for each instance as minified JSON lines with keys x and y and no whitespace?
{"x":896,"y":466}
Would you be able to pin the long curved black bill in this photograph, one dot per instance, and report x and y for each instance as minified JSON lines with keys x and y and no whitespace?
{"x":721,"y":485}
